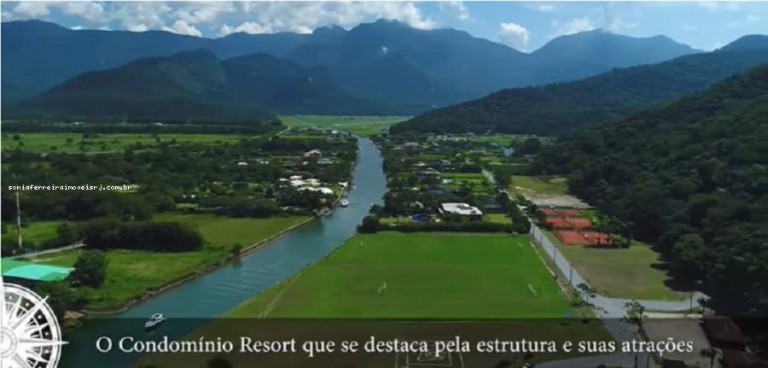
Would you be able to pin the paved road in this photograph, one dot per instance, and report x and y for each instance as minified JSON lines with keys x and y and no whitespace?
{"x":49,"y":251}
{"x":608,"y":307}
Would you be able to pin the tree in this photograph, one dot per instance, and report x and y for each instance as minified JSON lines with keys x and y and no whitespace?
{"x":634,"y":312}
{"x":67,"y":234}
{"x":583,"y":293}
{"x":236,"y":250}
{"x":530,"y":146}
{"x":370,"y":225}
{"x":90,"y":268}
{"x":60,"y":297}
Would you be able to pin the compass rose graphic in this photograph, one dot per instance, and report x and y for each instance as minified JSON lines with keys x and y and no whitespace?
{"x":30,"y":336}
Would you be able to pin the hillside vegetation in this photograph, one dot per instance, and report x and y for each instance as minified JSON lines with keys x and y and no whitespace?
{"x":552,"y":109}
{"x":692,"y":178}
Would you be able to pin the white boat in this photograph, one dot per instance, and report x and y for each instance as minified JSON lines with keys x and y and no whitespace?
{"x":344,"y":202}
{"x":154,"y":322}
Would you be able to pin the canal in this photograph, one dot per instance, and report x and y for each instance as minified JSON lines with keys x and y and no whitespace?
{"x":215,"y":293}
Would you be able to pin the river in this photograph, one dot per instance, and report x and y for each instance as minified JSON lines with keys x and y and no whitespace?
{"x":221,"y":290}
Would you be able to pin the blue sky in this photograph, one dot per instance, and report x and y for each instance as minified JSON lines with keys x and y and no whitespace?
{"x":522,"y":25}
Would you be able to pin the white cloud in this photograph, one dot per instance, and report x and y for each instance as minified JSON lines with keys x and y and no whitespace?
{"x":88,"y":10}
{"x":256,"y":16}
{"x":745,"y":22}
{"x":203,"y":12}
{"x":247,"y":27}
{"x":137,"y":27}
{"x":31,"y":9}
{"x":613,"y":22}
{"x":184,"y":28}
{"x":513,"y":34}
{"x":303,"y":16}
{"x":457,"y":9}
{"x":716,"y":6}
{"x":575,"y":25}
{"x":141,"y":16}
{"x":301,"y":29}
{"x":542,"y":7}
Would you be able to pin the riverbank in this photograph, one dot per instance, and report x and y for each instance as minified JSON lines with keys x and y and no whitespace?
{"x":227,"y":259}
{"x":193,"y":303}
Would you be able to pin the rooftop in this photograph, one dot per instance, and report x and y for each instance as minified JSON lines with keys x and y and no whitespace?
{"x":33,"y":271}
{"x":460,"y":209}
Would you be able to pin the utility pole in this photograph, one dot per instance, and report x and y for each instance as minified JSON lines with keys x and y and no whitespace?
{"x":18,"y":220}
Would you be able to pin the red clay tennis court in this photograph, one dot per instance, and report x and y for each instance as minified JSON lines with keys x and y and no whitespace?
{"x":549,"y":212}
{"x":569,"y":213}
{"x":558,"y":223}
{"x":579,"y":223}
{"x":595,"y":237}
{"x":571,"y":238}
{"x":567,"y":237}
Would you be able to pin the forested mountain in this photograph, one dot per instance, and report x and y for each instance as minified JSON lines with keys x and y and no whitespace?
{"x":399,"y":67}
{"x":690,"y":177}
{"x":436,"y":61}
{"x":187,"y":85}
{"x":39,"y":55}
{"x":279,"y":85}
{"x":553,"y":109}
{"x":194,"y":85}
{"x":598,"y":51}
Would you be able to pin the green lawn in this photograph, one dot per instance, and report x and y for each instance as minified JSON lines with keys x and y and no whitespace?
{"x":70,"y":142}
{"x":227,"y":231}
{"x":541,"y":184}
{"x":363,"y":125}
{"x":36,"y":232}
{"x":427,"y":275}
{"x":621,"y":273}
{"x":131,"y":273}
{"x":497,"y":218}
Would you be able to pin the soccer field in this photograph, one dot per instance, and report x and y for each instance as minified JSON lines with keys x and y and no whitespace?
{"x":418,"y":275}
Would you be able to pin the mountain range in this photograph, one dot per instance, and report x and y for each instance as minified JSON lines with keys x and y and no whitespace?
{"x":555,"y":108}
{"x":387,"y":66}
{"x":192,"y":86}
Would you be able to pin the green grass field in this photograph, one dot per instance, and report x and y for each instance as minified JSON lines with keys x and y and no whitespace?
{"x":130,"y":273}
{"x":363,"y":125}
{"x":621,"y":273}
{"x":227,"y":231}
{"x":427,"y":275}
{"x":541,"y":184}
{"x":35,"y":232}
{"x":70,"y":142}
{"x":497,"y":218}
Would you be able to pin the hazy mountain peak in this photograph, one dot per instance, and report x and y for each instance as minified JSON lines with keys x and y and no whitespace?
{"x":329,"y":30}
{"x":749,"y":42}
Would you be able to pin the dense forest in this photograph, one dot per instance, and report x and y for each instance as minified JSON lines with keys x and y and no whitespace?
{"x":691,"y":178}
{"x":552,"y":109}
